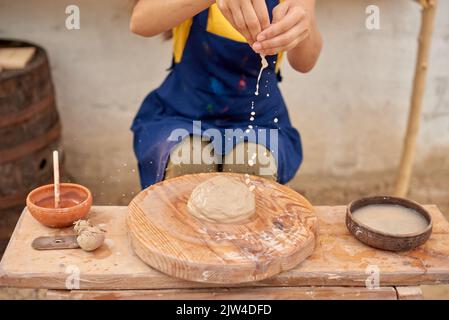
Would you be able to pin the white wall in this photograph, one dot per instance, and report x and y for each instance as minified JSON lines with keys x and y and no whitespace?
{"x":351,"y":109}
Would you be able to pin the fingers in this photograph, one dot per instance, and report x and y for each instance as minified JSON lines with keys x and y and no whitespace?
{"x":290,"y":46}
{"x":247,"y":16}
{"x":260,"y":7}
{"x":240,"y":24}
{"x":226,"y":11}
{"x":285,"y":20}
{"x":283,"y":39}
{"x":280,"y":11}
{"x":251,"y":20}
{"x":233,"y":15}
{"x":289,"y":28}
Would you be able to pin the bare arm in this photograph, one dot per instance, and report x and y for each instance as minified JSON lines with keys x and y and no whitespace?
{"x":293,"y":30}
{"x":152,"y":17}
{"x":304,"y":56}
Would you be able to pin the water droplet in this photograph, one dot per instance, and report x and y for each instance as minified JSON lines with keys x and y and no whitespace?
{"x":250,"y":126}
{"x":251,"y":119}
{"x":252,"y":187}
{"x":276,"y":120}
{"x":253,"y":113}
{"x":268,"y":94}
{"x":250,"y":163}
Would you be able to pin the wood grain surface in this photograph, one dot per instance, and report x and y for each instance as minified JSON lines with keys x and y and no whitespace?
{"x":278,"y":236}
{"x":338,"y":260}
{"x":251,"y":293}
{"x":409,"y":293}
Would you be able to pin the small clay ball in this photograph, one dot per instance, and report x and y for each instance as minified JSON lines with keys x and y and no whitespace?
{"x":89,"y":237}
{"x":81,"y":225}
{"x":89,"y":241}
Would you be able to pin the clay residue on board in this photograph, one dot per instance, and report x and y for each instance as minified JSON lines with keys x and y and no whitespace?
{"x":102,"y":252}
{"x":286,"y":232}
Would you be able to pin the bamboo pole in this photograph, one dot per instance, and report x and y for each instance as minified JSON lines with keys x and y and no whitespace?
{"x":419,"y":82}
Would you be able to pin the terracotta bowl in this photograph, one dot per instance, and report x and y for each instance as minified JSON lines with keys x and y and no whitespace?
{"x":386,"y":241}
{"x":76,"y":201}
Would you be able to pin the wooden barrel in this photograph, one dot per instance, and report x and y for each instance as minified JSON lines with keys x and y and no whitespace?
{"x":29,"y":127}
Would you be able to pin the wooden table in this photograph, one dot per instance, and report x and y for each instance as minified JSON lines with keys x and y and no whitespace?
{"x":338,"y":269}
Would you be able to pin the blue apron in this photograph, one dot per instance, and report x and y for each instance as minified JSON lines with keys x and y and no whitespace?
{"x":214,"y":83}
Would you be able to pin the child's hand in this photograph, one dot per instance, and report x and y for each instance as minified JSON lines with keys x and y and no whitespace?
{"x":291,"y":25}
{"x":249,"y":17}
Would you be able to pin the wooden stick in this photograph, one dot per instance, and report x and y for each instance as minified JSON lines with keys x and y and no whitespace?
{"x":419,"y":82}
{"x":56,"y":178}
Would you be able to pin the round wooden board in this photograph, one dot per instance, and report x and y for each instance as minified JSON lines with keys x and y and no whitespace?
{"x":279,"y":235}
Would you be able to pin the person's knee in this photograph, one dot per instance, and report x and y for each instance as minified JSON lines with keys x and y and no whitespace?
{"x":251,"y":158}
{"x":191,"y":155}
{"x":263,"y":158}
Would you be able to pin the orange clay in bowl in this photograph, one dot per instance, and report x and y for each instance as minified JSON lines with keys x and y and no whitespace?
{"x":75,"y":203}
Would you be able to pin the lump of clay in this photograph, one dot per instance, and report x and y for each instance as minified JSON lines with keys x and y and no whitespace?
{"x":81,"y":225}
{"x":89,"y":237}
{"x":221,"y":199}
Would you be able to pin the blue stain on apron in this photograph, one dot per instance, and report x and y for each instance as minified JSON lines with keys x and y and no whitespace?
{"x":214,"y":82}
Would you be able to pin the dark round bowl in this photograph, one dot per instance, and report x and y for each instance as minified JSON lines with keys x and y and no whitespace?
{"x":387,"y":241}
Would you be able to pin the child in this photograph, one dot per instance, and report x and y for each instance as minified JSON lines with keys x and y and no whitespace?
{"x":208,"y":99}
